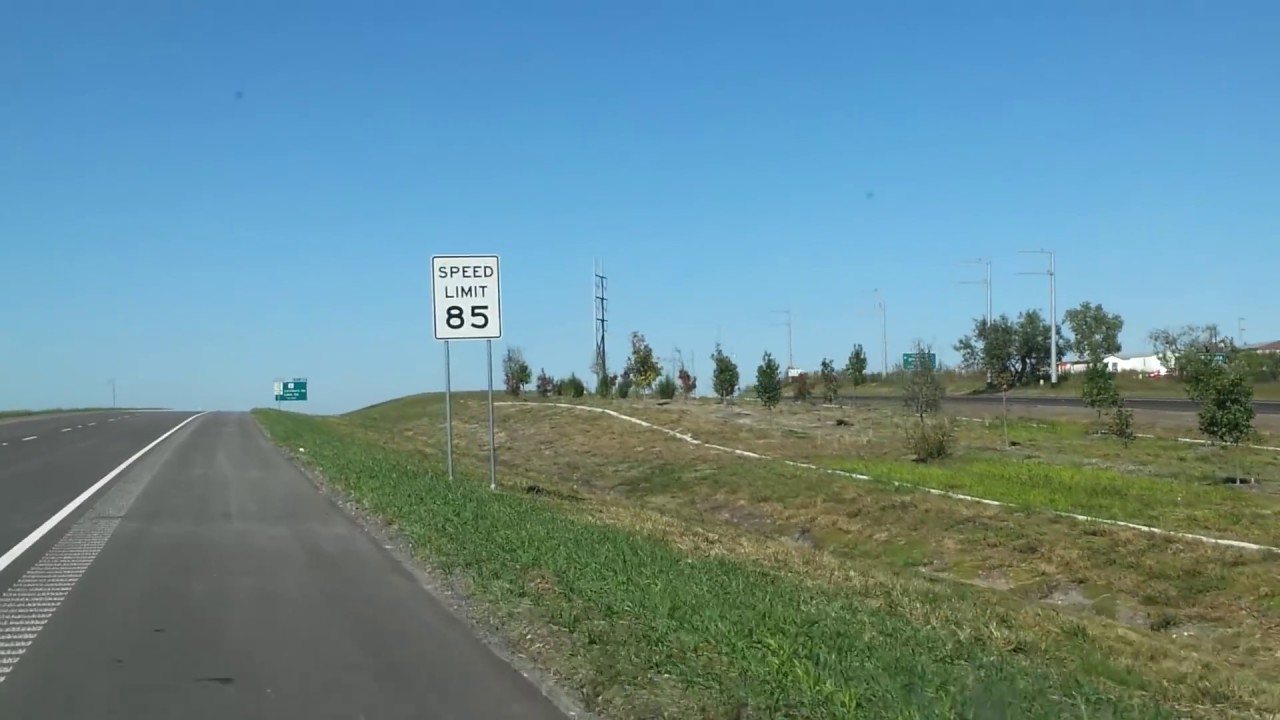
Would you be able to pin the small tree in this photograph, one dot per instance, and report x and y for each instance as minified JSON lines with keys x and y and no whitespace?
{"x":546,"y":384}
{"x":830,"y":378}
{"x":623,"y":388}
{"x":923,"y":390}
{"x":769,"y":381}
{"x":515,"y":371}
{"x":1121,"y":424}
{"x":1226,"y":413}
{"x":667,"y":387}
{"x":930,"y":438}
{"x":801,"y":387}
{"x":572,"y":386}
{"x":856,"y":368}
{"x":642,"y":366}
{"x":688,"y":383}
{"x":605,"y":385}
{"x":724,"y":378}
{"x":1099,"y":389}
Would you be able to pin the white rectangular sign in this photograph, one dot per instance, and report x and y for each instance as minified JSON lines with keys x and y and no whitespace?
{"x":466,"y":297}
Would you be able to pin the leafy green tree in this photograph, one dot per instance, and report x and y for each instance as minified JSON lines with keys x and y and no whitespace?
{"x":724,"y":378}
{"x":830,"y":378}
{"x":623,"y":388}
{"x":515,"y":371}
{"x":1099,"y":390}
{"x":643,"y":367}
{"x":1015,"y":349}
{"x":856,"y":367}
{"x":1226,"y":410}
{"x":1095,"y":333}
{"x":1180,"y":348}
{"x":769,"y":381}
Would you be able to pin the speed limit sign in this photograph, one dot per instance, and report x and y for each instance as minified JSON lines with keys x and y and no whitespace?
{"x":466,"y":297}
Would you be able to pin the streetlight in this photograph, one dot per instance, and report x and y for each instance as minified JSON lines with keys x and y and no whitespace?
{"x":986,"y":282}
{"x":884,"y":335}
{"x":1053,"y":309}
{"x":791,"y":360}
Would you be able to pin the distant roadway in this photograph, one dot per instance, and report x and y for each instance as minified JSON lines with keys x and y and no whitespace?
{"x":1262,"y":407}
{"x":176,"y":565}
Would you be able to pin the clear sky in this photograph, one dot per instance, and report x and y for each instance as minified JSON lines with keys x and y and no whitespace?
{"x":197,"y":198}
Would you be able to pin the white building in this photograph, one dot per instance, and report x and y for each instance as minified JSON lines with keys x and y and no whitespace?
{"x":1147,"y":363}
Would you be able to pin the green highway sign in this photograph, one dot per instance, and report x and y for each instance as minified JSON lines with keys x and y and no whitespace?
{"x":288,"y":390}
{"x":916,"y":361}
{"x":1219,"y":358}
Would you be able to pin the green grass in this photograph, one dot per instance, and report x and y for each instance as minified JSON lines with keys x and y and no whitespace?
{"x":1129,"y":386}
{"x":6,"y":414}
{"x":653,"y":631}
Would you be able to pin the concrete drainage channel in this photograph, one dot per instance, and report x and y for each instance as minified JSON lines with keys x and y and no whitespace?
{"x":933,"y":491}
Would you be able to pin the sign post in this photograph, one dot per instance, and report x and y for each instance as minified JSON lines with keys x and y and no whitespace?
{"x":466,"y":304}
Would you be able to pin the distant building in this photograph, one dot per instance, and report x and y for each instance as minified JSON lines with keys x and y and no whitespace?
{"x":1146,"y":363}
{"x":1271,"y":347}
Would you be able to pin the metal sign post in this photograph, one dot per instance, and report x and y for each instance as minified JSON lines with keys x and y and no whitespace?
{"x":448,"y":412}
{"x":466,"y":304}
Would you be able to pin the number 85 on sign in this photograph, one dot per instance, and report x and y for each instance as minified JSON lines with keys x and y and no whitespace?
{"x":466,"y":297}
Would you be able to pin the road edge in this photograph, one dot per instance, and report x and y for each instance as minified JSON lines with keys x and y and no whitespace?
{"x":446,"y":589}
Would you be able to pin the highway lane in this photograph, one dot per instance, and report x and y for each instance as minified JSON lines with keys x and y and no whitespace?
{"x":46,"y":462}
{"x":1262,"y":407}
{"x":218,"y":583}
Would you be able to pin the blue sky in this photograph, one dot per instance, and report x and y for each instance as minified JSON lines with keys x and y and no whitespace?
{"x":717,"y":156}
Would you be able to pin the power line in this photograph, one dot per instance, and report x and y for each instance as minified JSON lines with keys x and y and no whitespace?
{"x":1052,"y":272}
{"x":601,"y":303}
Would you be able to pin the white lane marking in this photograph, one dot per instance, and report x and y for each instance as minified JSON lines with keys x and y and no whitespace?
{"x":27,"y":606}
{"x":33,"y":437}
{"x":65,"y":430}
{"x":111,"y":419}
{"x":932,"y":491}
{"x":79,"y":426}
{"x":92,"y":424}
{"x":7,"y":559}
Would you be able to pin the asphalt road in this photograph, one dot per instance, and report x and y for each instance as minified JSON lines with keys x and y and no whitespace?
{"x":211,"y":580}
{"x":1168,"y":405}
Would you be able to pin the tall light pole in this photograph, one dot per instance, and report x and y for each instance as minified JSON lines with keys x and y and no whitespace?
{"x":986,"y":282}
{"x":884,"y":335}
{"x":112,"y":382}
{"x":1240,"y":330}
{"x":791,"y":360}
{"x":1053,"y":309}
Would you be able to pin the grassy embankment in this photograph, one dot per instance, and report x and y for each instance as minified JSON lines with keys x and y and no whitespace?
{"x":1130,"y":385}
{"x":666,"y":579}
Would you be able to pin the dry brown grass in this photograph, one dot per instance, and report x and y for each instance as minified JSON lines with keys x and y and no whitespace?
{"x":1183,"y":596}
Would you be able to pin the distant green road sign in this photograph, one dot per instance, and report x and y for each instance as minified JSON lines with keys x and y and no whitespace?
{"x":1219,"y":358}
{"x":289,"y":390}
{"x":917,"y":361}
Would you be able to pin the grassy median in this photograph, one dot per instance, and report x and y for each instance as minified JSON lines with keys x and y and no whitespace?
{"x":649,"y":614}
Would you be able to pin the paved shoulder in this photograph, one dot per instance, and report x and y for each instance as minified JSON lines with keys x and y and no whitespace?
{"x":232,"y":589}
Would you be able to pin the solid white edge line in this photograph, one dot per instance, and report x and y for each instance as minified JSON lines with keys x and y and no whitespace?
{"x":16,"y":551}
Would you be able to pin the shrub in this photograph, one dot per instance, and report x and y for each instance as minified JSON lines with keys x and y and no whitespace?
{"x":1121,"y":423}
{"x":801,"y":388}
{"x":624,"y":387}
{"x":572,"y":386}
{"x":545,"y":384}
{"x":930,"y":438}
{"x":688,"y":383}
{"x":667,"y":387}
{"x":830,"y":380}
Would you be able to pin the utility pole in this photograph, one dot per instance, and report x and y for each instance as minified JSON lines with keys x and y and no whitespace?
{"x":1240,"y":330}
{"x":1053,"y":309}
{"x":601,"y":303}
{"x":884,"y":335}
{"x":791,"y":359}
{"x":113,"y":392}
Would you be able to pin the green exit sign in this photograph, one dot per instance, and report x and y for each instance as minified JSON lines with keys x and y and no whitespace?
{"x":919,"y":361}
{"x":291,"y":390}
